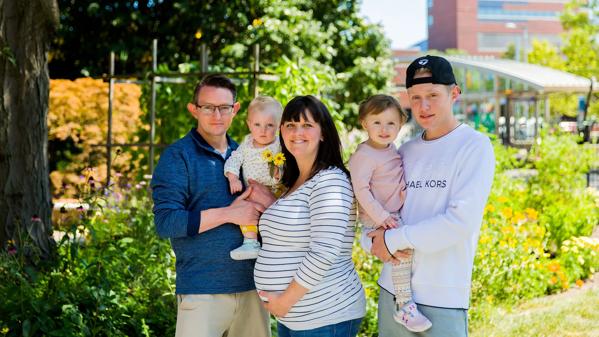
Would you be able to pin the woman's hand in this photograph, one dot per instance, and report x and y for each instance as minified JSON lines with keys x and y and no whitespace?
{"x":275,"y":303}
{"x":279,"y":304}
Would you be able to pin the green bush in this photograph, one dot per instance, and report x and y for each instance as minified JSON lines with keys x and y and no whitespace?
{"x":118,"y":282}
{"x":534,"y":237}
{"x":558,"y":190}
{"x":369,"y":269}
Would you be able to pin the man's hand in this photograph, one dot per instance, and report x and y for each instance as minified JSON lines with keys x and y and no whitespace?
{"x":261,"y":194}
{"x":245,"y":212}
{"x":402,"y":254}
{"x":379,"y":248}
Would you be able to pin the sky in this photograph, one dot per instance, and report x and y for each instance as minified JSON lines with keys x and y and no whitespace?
{"x":404,"y":21}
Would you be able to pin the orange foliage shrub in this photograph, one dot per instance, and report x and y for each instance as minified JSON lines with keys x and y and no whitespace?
{"x":78,"y":112}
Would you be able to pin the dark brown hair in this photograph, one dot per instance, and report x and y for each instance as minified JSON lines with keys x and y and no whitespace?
{"x":216,"y":81}
{"x":329,"y":150}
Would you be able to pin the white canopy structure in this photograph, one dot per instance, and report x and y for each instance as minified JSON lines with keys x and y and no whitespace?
{"x":510,"y":97}
{"x":540,"y":79}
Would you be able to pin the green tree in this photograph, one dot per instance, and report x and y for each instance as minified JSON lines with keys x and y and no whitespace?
{"x":581,"y":46}
{"x":324,"y":33}
{"x":578,"y":55}
{"x":548,"y":55}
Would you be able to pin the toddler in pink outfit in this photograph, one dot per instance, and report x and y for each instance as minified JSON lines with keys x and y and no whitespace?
{"x":378,"y":180}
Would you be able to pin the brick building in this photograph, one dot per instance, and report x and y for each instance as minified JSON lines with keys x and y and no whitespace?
{"x":485,"y":27}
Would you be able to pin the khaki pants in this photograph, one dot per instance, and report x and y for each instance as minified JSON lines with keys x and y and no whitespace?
{"x":222,"y":315}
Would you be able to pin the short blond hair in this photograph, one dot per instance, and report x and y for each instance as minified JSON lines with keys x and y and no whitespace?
{"x":266,"y":103}
{"x":422,"y":71}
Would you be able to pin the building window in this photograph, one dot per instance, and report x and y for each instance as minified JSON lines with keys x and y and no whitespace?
{"x":430,"y":20}
{"x":501,"y":14}
{"x":496,"y":42}
{"x":499,"y":42}
{"x":430,"y":3}
{"x":496,"y":11}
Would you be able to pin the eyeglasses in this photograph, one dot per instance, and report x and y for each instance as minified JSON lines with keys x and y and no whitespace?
{"x":209,"y":109}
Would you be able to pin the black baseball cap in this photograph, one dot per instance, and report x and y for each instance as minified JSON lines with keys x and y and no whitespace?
{"x":441,"y":70}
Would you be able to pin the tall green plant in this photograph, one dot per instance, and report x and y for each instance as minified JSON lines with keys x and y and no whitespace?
{"x":558,"y":190}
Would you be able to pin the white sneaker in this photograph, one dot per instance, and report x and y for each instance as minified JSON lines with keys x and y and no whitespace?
{"x":410,"y":317}
{"x":247,"y":251}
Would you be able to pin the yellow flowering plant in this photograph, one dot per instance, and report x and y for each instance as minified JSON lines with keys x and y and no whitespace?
{"x":275,"y":162}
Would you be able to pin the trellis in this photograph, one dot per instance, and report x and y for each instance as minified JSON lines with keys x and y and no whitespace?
{"x":254,"y":74}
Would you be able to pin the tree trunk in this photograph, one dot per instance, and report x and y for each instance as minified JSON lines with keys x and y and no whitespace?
{"x":25,"y":205}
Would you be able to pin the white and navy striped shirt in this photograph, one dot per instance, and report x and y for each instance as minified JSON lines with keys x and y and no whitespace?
{"x":307,"y":236}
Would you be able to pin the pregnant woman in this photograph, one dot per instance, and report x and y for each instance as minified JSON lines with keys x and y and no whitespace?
{"x":304,"y":273}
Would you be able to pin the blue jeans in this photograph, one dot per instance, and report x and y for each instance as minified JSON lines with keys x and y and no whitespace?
{"x":344,"y":329}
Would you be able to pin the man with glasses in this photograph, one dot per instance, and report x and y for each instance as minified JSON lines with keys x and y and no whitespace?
{"x":216,"y":295}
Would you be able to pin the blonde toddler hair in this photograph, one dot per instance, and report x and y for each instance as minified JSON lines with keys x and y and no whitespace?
{"x":266,"y":103}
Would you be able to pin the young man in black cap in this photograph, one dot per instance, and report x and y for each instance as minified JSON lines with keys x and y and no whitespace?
{"x":448,"y":171}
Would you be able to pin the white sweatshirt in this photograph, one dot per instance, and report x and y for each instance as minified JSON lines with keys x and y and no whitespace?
{"x":448,"y":181}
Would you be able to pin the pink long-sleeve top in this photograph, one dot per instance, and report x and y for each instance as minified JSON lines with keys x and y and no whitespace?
{"x":378,"y":180}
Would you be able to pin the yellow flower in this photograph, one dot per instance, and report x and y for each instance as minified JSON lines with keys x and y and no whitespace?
{"x":553,"y":266}
{"x":553,"y":280}
{"x":198,"y":34}
{"x":507,"y":212}
{"x":256,"y":22}
{"x":5,"y":330}
{"x":267,"y":155}
{"x":518,"y":217}
{"x":579,"y":283}
{"x":531,"y":213}
{"x":507,"y":230}
{"x":502,"y":199}
{"x":540,"y":231}
{"x":279,"y":159}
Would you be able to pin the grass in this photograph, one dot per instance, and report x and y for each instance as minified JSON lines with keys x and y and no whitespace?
{"x":574,"y":313}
